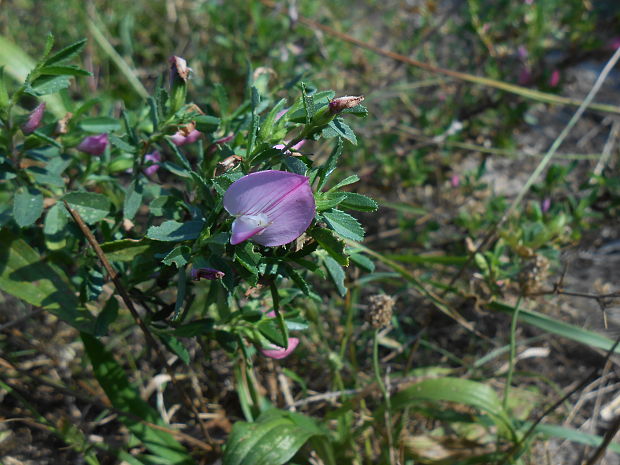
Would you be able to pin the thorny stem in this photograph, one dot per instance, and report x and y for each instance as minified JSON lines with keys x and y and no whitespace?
{"x":134,"y":313}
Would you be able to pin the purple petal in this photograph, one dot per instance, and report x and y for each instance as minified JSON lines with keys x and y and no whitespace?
{"x":206,"y":273}
{"x":179,"y":138}
{"x":34,"y":120}
{"x":94,"y":145}
{"x":285,"y":198}
{"x":280,"y":352}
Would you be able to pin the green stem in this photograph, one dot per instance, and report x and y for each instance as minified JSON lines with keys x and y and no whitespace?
{"x":513,"y":351}
{"x":384,"y":391}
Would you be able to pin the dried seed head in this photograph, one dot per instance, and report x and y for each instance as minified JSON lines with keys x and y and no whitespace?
{"x":342,"y":103}
{"x":380,"y":308}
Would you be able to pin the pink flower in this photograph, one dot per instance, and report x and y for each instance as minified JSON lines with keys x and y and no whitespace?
{"x":182,"y":138}
{"x":271,"y":207}
{"x":278,"y":353}
{"x":34,"y":120}
{"x":545,"y":205}
{"x":614,"y":44}
{"x":455,"y":180}
{"x":153,"y":157}
{"x":554,"y":80}
{"x":525,"y":77}
{"x":294,"y":148}
{"x":207,"y":273}
{"x":94,"y":145}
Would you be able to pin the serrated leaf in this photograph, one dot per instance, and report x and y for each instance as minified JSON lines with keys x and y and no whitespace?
{"x":308,"y":103}
{"x":178,"y":256}
{"x":359,"y":202}
{"x":338,"y":128}
{"x":326,"y":200}
{"x":207,"y":123}
{"x":64,"y":71}
{"x":330,"y":165}
{"x":298,"y":280}
{"x":336,"y":273}
{"x":27,"y":276}
{"x":295,"y":165}
{"x":54,"y":225}
{"x":176,"y":346}
{"x":91,"y":207}
{"x":363,"y":262}
{"x":345,"y":182}
{"x":247,"y":257}
{"x":27,"y":206}
{"x":121,"y":144}
{"x":173,"y":231}
{"x":333,"y":245}
{"x":344,"y":225}
{"x":66,"y":53}
{"x":48,"y":85}
{"x":273,"y":331}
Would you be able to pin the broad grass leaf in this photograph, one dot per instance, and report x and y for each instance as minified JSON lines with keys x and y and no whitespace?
{"x":27,"y":276}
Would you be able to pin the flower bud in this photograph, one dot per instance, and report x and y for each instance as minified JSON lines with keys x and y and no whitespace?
{"x":182,"y":137}
{"x":206,"y":273}
{"x":338,"y":105}
{"x":278,"y":353}
{"x":34,"y":120}
{"x":179,"y":74}
{"x":94,"y":145}
{"x":153,"y":157}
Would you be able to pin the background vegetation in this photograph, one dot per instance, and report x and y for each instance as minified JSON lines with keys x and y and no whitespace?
{"x":495,"y":237}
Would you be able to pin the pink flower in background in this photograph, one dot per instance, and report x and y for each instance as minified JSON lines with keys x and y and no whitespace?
{"x":182,"y":137}
{"x":206,"y":273}
{"x":278,"y":353}
{"x":455,"y":180}
{"x":545,"y":205}
{"x":525,"y":77}
{"x":211,"y":149}
{"x":281,"y":113}
{"x":271,"y":207}
{"x":614,"y":44}
{"x":94,"y":145}
{"x":153,"y":157}
{"x":554,"y":80}
{"x":293,"y":148}
{"x":34,"y":120}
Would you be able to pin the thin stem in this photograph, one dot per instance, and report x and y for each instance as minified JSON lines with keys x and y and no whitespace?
{"x":513,"y":351}
{"x":385,"y":392}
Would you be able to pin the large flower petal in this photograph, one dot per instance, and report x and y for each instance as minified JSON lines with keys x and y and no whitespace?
{"x":285,"y":198}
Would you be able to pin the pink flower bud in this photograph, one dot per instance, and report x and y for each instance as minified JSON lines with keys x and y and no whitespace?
{"x":342,"y":103}
{"x":178,"y":69}
{"x":216,"y":143}
{"x":294,"y":148}
{"x":278,"y":353}
{"x":455,"y":181}
{"x":271,"y":207}
{"x":183,"y":138}
{"x":545,"y":205}
{"x":554,"y":80}
{"x":34,"y":120}
{"x":206,"y":273}
{"x":94,"y":145}
{"x":153,"y":157}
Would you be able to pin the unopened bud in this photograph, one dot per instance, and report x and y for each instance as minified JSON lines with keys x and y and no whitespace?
{"x":34,"y":120}
{"x":206,"y":273}
{"x":154,"y":158}
{"x":179,"y":74}
{"x":338,"y":105}
{"x":94,"y":145}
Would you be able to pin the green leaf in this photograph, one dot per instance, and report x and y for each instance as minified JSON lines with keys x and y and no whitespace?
{"x":27,"y":206}
{"x":91,"y":207}
{"x":27,"y":276}
{"x":345,"y":225}
{"x":125,"y":250}
{"x":330,"y":165}
{"x":106,"y":317}
{"x":64,"y":71}
{"x":99,"y":124}
{"x":298,"y":279}
{"x":461,"y":391}
{"x":327,"y":200}
{"x":266,"y":128}
{"x":126,"y":398}
{"x":338,"y":128}
{"x":175,"y":346}
{"x":273,"y":440}
{"x":121,"y":144}
{"x":363,"y":262}
{"x":247,"y":257}
{"x":4,"y":95}
{"x":173,"y":231}
{"x":178,"y":256}
{"x":48,"y":85}
{"x":273,"y":331}
{"x":359,"y":202}
{"x":308,"y":103}
{"x":336,"y":273}
{"x":66,"y":53}
{"x":194,"y":328}
{"x":295,"y":165}
{"x":178,"y":154}
{"x":133,"y":198}
{"x":207,"y":123}
{"x":54,"y":225}
{"x":332,"y":244}
{"x":346,"y":181}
